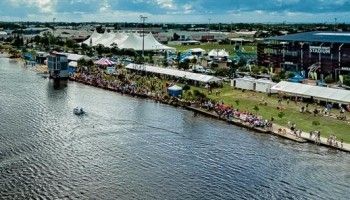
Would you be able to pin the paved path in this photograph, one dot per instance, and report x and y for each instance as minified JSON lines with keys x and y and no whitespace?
{"x":288,"y":134}
{"x":306,"y":137}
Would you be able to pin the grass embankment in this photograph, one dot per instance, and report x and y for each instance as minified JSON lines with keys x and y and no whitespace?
{"x":209,"y":46}
{"x":248,"y":100}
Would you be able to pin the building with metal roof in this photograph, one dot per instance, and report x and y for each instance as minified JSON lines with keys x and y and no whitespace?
{"x":201,"y":78}
{"x":309,"y":91}
{"x":328,"y":37}
{"x":324,"y":53}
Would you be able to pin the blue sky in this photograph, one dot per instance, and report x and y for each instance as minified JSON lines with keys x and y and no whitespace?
{"x":189,"y":11}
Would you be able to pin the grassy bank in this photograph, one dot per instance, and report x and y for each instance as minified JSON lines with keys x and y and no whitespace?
{"x":248,"y":101}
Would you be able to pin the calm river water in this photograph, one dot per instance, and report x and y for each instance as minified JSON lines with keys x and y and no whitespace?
{"x":129,"y":148}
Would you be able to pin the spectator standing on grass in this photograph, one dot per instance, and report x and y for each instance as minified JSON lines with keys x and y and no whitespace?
{"x":341,"y":143}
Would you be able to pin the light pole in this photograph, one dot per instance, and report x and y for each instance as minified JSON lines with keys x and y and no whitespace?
{"x":208,"y":29}
{"x":143,"y":19}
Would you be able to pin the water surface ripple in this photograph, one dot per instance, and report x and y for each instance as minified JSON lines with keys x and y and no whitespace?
{"x":127,"y":148}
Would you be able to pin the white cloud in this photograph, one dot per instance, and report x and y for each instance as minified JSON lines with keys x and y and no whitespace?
{"x":188,"y":8}
{"x":167,"y":4}
{"x":45,"y":6}
{"x":105,"y":6}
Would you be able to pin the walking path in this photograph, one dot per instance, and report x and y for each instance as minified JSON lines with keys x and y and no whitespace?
{"x":278,"y":130}
{"x":313,"y":139}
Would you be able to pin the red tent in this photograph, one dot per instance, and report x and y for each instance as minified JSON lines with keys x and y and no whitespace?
{"x":105,"y":62}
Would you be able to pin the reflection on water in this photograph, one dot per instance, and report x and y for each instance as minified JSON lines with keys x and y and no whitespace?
{"x":127,"y":148}
{"x":58,"y":84}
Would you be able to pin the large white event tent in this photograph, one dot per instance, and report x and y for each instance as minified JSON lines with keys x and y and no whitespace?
{"x":317,"y":92}
{"x":91,"y":41}
{"x":126,"y":41}
{"x":175,"y":73}
{"x":105,"y":38}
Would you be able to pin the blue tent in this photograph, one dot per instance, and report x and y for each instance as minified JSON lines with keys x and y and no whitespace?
{"x":296,"y":79}
{"x":175,"y":91}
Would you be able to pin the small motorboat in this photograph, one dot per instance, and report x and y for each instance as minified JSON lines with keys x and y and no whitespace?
{"x":78,"y":111}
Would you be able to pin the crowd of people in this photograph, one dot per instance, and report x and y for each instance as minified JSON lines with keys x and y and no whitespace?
{"x":124,"y":83}
{"x":332,"y":141}
{"x":230,"y":113}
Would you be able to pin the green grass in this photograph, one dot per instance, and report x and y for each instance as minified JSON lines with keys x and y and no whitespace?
{"x":210,"y":46}
{"x":248,"y":100}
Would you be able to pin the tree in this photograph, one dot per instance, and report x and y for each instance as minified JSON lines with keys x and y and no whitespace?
{"x":346,"y":80}
{"x":329,"y":79}
{"x":184,"y":65}
{"x":281,"y":115}
{"x":100,"y":49}
{"x":316,"y":123}
{"x":256,"y":108}
{"x":82,"y":62}
{"x":176,"y":37}
{"x":186,"y":87}
{"x":237,"y":102}
{"x":71,"y":44}
{"x":276,"y":78}
{"x":241,"y":62}
{"x":18,"y":42}
{"x":282,"y":75}
{"x":222,"y":72}
{"x":233,"y":69}
{"x":255,"y":70}
{"x":290,"y":75}
{"x":165,"y":60}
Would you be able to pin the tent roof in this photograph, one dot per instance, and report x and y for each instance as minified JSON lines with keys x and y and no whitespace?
{"x":93,"y":38}
{"x":75,"y":57}
{"x":218,"y":53}
{"x":105,"y":39}
{"x":317,"y":92}
{"x":197,"y":50}
{"x":174,"y":72}
{"x":134,"y":41}
{"x":126,"y":41}
{"x":104,"y":62}
{"x":175,"y":88}
{"x":73,"y":64}
{"x":117,"y":39}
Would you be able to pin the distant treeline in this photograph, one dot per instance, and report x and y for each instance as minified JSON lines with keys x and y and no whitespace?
{"x":214,"y":26}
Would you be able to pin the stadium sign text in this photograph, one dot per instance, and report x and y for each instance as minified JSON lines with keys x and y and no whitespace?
{"x":322,"y":50}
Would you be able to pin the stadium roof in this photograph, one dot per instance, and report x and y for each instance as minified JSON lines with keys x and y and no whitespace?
{"x":332,"y":37}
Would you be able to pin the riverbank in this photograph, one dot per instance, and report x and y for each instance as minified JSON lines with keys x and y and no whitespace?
{"x":275,"y":129}
{"x":283,"y":111}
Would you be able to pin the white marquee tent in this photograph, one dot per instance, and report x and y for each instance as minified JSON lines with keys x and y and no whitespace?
{"x":317,"y":92}
{"x":117,"y":39}
{"x":219,"y":53}
{"x":174,"y":72}
{"x":126,"y":41}
{"x":93,"y":38}
{"x":105,"y":39}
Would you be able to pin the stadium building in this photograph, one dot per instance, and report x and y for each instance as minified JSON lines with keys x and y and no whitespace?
{"x":324,"y":53}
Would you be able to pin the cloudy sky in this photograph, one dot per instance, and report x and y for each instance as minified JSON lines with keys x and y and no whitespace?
{"x":189,"y":11}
